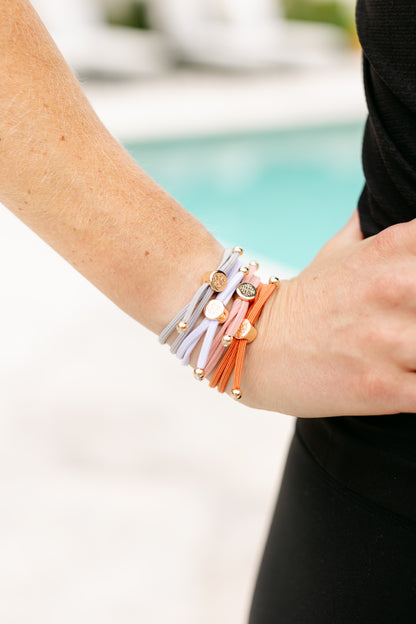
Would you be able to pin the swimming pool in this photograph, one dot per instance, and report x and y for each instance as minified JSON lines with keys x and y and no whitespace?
{"x":281,"y":193}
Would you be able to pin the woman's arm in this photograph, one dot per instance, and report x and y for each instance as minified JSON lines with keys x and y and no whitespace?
{"x":69,"y":180}
{"x":338,"y":339}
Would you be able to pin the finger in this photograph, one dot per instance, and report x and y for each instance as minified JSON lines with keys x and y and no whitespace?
{"x":391,"y":286}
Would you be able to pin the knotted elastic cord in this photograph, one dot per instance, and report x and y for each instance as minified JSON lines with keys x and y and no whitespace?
{"x":191,"y":312}
{"x":236,"y":316}
{"x":208,"y":325}
{"x":228,"y":268}
{"x":234,"y":356}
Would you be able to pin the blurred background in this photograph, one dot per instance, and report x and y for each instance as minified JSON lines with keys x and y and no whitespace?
{"x":129,"y":492}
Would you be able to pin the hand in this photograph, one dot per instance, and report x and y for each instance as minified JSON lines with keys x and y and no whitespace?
{"x":340,"y":338}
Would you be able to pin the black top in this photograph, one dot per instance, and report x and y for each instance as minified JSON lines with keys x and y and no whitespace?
{"x":376,"y":455}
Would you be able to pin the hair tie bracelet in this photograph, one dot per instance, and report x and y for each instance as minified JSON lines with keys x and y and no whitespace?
{"x":245,"y":293}
{"x":211,"y":282}
{"x":202,"y":304}
{"x":216,"y":282}
{"x":234,"y":356}
{"x":215,"y":313}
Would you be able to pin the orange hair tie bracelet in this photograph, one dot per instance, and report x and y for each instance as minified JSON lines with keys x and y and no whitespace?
{"x":234,"y":356}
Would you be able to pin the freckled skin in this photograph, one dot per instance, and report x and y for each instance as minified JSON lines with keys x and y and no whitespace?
{"x":92,"y":202}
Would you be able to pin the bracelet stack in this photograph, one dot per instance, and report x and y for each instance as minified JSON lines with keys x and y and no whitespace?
{"x":225,"y":332}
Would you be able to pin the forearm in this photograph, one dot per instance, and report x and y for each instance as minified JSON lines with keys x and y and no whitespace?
{"x":70,"y":181}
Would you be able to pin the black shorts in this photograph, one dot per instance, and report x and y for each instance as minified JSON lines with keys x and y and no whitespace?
{"x":333,"y":556}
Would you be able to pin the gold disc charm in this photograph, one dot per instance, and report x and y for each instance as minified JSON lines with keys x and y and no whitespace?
{"x":246,"y":331}
{"x":246,"y":291}
{"x":215,"y":310}
{"x":216,"y":279}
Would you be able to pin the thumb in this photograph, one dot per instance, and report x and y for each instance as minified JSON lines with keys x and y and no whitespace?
{"x":348,"y":234}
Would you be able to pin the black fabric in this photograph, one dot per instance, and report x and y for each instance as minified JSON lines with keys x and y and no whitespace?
{"x":342,"y":545}
{"x":333,"y":556}
{"x":387,"y":444}
{"x":387,"y":30}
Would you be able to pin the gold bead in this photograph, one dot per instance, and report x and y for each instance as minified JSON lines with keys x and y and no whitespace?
{"x":199,"y":373}
{"x":273,"y":279}
{"x":244,"y":269}
{"x":181,"y":327}
{"x":226,"y":340}
{"x":255,"y":264}
{"x":236,"y":394}
{"x":238,"y":250}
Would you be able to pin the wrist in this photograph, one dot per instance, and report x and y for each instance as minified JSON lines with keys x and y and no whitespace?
{"x":265,"y":368}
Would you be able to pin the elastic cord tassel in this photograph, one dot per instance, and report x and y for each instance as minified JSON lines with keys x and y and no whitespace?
{"x":237,"y":314}
{"x":234,"y":356}
{"x":239,"y":361}
{"x":225,"y":367}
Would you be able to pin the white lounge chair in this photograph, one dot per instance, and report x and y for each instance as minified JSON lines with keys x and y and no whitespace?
{"x":241,"y":33}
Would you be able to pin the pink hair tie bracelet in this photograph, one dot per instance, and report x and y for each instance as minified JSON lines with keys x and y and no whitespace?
{"x":245,"y":293}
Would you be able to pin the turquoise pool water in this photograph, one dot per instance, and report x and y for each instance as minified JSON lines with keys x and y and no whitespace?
{"x":299,"y":185}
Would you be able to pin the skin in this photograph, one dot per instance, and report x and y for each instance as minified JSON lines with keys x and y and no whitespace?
{"x":340,"y":337}
{"x":337,"y":339}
